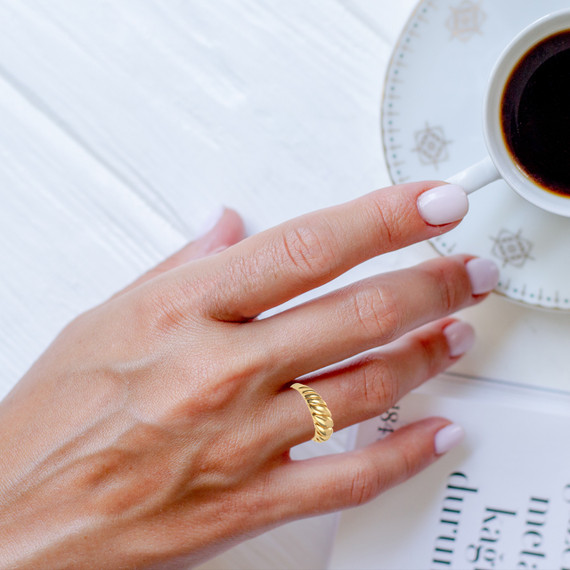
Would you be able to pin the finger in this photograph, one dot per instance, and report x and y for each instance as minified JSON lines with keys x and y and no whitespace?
{"x":228,"y":230}
{"x":371,"y":384}
{"x":324,"y":484}
{"x":367,"y":314}
{"x":276,"y":265}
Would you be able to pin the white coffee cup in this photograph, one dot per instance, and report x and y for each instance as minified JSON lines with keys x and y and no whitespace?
{"x":500,"y":163}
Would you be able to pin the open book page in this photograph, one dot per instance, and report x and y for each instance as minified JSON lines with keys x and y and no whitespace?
{"x":499,"y":501}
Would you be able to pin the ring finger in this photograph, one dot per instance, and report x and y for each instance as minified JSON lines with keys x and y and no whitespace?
{"x":368,"y":386}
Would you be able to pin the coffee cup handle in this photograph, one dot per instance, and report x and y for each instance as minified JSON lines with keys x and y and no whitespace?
{"x":476,"y":176}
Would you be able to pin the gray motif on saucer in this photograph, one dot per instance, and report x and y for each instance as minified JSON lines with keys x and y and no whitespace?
{"x":511,"y":248}
{"x":431,"y":145}
{"x":466,"y":20}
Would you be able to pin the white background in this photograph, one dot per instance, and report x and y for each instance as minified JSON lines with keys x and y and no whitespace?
{"x":124,"y":123}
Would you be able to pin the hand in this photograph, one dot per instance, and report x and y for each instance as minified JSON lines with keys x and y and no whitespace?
{"x":157,"y":426}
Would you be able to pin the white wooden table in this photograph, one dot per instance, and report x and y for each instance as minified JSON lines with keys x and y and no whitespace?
{"x":123,"y":123}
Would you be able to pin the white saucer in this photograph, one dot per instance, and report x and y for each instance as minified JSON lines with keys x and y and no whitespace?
{"x":432,"y":128}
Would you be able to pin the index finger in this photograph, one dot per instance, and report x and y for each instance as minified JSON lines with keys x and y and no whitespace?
{"x":274,"y":266}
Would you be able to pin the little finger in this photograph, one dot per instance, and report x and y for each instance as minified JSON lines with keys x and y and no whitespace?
{"x":324,"y":484}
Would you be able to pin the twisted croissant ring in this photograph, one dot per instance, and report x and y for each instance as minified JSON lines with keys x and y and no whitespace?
{"x":320,"y":413}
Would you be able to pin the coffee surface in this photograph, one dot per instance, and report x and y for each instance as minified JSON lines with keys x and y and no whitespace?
{"x":535,"y":113}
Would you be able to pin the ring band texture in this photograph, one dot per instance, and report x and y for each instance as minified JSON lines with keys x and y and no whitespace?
{"x":320,"y":412}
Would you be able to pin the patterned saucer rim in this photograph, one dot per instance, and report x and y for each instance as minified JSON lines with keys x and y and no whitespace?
{"x":433,"y":243}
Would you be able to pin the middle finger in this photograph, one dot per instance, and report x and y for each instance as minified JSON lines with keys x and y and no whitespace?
{"x":367,"y":314}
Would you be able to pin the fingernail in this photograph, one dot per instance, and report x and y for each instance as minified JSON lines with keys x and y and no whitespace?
{"x":447,"y":438}
{"x":443,"y":205}
{"x":210,"y":220}
{"x":460,"y":337}
{"x":483,"y":274}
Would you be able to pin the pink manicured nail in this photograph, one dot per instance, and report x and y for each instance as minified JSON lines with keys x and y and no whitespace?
{"x":447,"y":438}
{"x":460,"y":337}
{"x":443,"y":205}
{"x":483,"y":274}
{"x":210,"y":220}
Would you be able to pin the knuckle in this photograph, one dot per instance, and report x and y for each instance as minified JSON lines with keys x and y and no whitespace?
{"x":379,"y":384}
{"x":410,"y":463}
{"x":431,"y":354}
{"x":384,"y":223}
{"x":389,"y":218}
{"x":308,"y":250}
{"x":450,"y":284}
{"x":376,"y":312}
{"x":449,"y":298}
{"x":365,"y":482}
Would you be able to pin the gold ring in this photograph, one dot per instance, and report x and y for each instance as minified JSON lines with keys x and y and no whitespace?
{"x":320,"y":412}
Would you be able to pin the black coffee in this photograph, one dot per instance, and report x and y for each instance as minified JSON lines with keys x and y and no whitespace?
{"x":535,"y":113}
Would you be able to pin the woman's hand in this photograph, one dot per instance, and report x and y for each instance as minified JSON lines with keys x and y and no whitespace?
{"x":157,"y":426}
